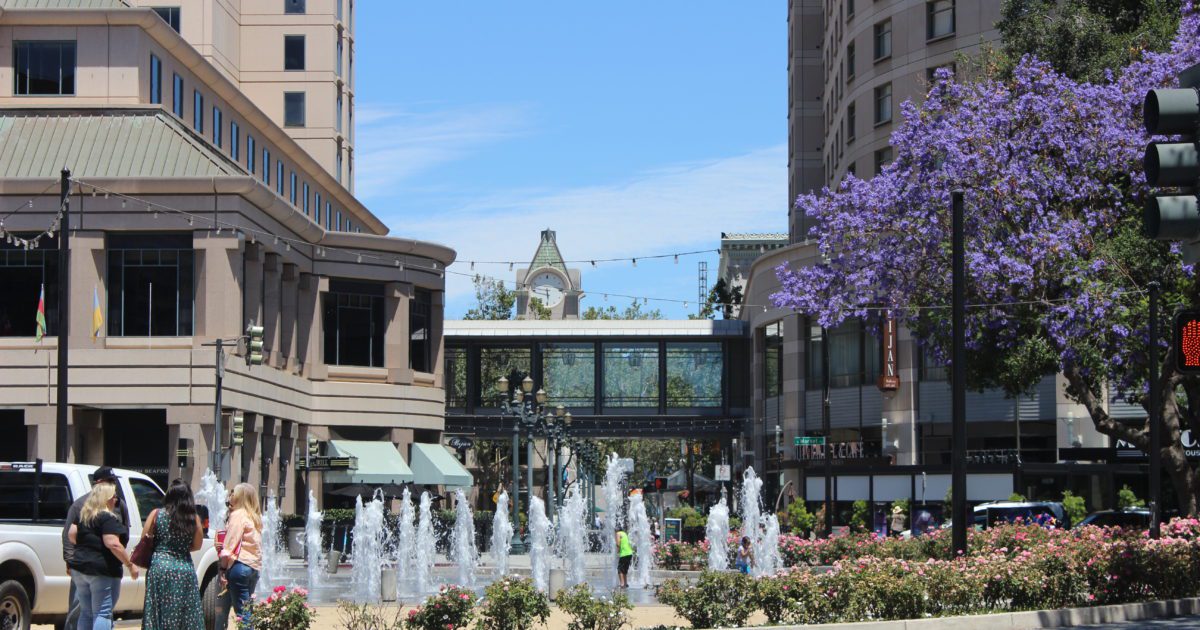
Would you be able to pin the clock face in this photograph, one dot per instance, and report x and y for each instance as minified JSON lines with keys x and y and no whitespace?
{"x":547,"y":287}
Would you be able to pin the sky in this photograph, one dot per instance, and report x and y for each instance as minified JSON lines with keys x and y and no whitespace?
{"x":631,"y":128}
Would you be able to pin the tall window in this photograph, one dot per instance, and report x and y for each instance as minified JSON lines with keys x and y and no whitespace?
{"x":316,"y":208}
{"x":44,"y":68}
{"x":293,"y":109}
{"x":305,"y":202}
{"x":883,"y":40}
{"x":337,"y":222}
{"x":883,"y":104}
{"x":850,"y":120}
{"x":339,"y":52}
{"x":234,"y":137}
{"x":339,"y":164}
{"x":170,"y":15}
{"x":773,"y":360}
{"x":292,"y":191}
{"x":150,"y":285}
{"x":198,"y":111}
{"x":338,"y":3}
{"x":511,"y":362}
{"x":217,"y":127}
{"x":177,"y":94}
{"x":695,"y":372}
{"x":293,"y":6}
{"x":569,"y":373}
{"x":23,"y":274}
{"x":266,"y":162}
{"x":293,"y":52}
{"x":853,"y":356}
{"x":849,"y":9}
{"x":250,"y":154}
{"x":882,"y":157}
{"x":337,"y":122}
{"x":850,"y":61}
{"x":354,"y":324}
{"x":631,"y":375}
{"x":456,"y":375}
{"x":155,"y":80}
{"x":939,"y":18}
{"x":420,"y":318}
{"x":279,"y":177}
{"x":328,"y":214}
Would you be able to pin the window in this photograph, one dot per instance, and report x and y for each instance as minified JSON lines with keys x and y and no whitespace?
{"x":234,"y":137}
{"x":337,"y":122}
{"x":456,"y":375}
{"x":305,"y":202}
{"x":170,"y":15}
{"x":217,"y":127}
{"x":266,"y":162}
{"x":198,"y":111}
{"x":353,"y":324}
{"x":177,"y":104}
{"x":773,"y":360}
{"x":853,"y":356}
{"x":850,"y":61}
{"x":250,"y":154}
{"x":293,"y":52}
{"x":293,"y":6}
{"x":147,"y":496}
{"x":932,"y":368}
{"x":150,"y":285}
{"x":316,"y":208}
{"x":155,"y":80}
{"x":292,"y":190}
{"x":328,"y":214}
{"x":851,"y":168}
{"x":25,"y":274}
{"x":939,"y":18}
{"x":339,"y":164}
{"x":19,"y":504}
{"x":883,"y":104}
{"x":694,"y":374}
{"x":44,"y":68}
{"x":293,"y":109}
{"x":630,"y":375}
{"x":569,"y":370}
{"x":340,"y":50}
{"x":337,"y":222}
{"x":849,"y":9}
{"x":882,"y":157}
{"x":279,"y":177}
{"x":510,"y":362}
{"x":420,"y":319}
{"x":883,"y":40}
{"x":338,"y":3}
{"x":850,"y":120}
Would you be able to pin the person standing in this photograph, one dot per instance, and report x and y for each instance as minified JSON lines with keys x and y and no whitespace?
{"x":241,"y":556}
{"x":624,"y":558}
{"x":897,"y":520}
{"x":100,"y":539}
{"x":745,"y":556}
{"x":102,"y":474}
{"x":172,"y":591}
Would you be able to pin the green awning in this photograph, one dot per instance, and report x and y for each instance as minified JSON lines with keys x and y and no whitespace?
{"x":432,"y":464}
{"x":378,"y":463}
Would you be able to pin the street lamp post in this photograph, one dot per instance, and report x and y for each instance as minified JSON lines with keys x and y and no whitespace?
{"x":528,"y":410}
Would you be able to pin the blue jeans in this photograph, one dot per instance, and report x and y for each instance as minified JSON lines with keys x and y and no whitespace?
{"x":242,"y":581}
{"x":97,"y":597}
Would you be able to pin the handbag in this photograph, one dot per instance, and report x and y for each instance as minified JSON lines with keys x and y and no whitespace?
{"x":144,"y":550}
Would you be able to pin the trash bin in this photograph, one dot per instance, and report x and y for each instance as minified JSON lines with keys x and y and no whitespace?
{"x":335,"y":556}
{"x":387,"y":584}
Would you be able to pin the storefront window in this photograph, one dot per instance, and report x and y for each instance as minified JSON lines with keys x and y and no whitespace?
{"x":150,"y":285}
{"x":773,"y":359}
{"x":354,"y":324}
{"x":23,"y":274}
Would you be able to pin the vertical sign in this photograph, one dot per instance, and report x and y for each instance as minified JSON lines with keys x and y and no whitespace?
{"x":889,"y":379}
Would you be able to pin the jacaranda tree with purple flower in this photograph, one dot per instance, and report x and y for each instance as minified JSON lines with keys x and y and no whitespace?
{"x":1057,"y":267}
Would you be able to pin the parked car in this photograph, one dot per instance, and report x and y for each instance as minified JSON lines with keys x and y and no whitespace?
{"x":34,"y":585}
{"x":1136,"y":518}
{"x":1046,"y":513}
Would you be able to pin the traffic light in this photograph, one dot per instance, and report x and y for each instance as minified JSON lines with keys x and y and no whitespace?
{"x":314,"y":446}
{"x":254,"y":347}
{"x":238,"y":428}
{"x":1187,"y":341}
{"x":1173,"y":214}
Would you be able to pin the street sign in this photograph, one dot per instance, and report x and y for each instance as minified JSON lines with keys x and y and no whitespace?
{"x":328,"y":463}
{"x":723,"y":472}
{"x":809,"y":441}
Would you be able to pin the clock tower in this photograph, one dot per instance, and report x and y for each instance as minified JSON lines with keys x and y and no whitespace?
{"x":548,"y":280}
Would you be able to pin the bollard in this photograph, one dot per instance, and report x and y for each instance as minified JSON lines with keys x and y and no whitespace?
{"x":335,"y":556}
{"x":558,"y":580}
{"x":387,"y":585}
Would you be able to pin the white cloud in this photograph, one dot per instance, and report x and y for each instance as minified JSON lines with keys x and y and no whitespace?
{"x":395,"y":144}
{"x":682,"y":206}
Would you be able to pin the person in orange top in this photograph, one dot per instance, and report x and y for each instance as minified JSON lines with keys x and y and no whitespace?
{"x":241,"y":556}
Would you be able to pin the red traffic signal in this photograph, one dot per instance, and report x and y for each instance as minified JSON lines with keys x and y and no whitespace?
{"x":1187,"y":341}
{"x":660,"y":483}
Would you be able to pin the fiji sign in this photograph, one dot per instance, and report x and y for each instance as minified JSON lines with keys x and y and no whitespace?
{"x":839,"y":450}
{"x":889,"y":380}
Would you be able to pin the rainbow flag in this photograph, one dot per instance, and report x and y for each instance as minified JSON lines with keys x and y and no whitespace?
{"x":97,"y":314}
{"x":41,"y":315}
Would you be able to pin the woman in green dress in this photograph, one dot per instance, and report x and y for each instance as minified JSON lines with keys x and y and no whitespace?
{"x":172,"y":591}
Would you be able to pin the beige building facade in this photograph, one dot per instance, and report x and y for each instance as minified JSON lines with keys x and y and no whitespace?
{"x":195,"y":211}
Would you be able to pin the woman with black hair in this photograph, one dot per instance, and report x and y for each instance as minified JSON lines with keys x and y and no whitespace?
{"x":172,"y":591}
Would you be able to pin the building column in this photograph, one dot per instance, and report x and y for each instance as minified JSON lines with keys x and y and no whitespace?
{"x":89,"y":436}
{"x":42,"y":421}
{"x":311,"y":326}
{"x":272,"y":304}
{"x":254,"y":263}
{"x":248,"y":453}
{"x":286,"y":467}
{"x":397,"y":302}
{"x":900,"y":409}
{"x":219,"y":282}
{"x":289,"y":306}
{"x":88,"y":264}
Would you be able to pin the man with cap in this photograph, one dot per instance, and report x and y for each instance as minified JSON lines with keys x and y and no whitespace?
{"x":102,"y":474}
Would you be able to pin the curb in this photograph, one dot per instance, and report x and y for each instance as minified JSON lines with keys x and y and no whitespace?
{"x":1029,"y":620}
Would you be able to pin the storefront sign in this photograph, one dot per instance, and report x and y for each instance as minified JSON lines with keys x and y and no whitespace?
{"x":328,"y":463}
{"x":460,"y":443}
{"x":839,"y":450}
{"x":672,"y":529}
{"x":889,"y":380}
{"x":1191,"y":448}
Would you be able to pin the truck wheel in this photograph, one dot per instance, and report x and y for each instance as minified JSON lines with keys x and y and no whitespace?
{"x":210,"y":604}
{"x":15,"y":611}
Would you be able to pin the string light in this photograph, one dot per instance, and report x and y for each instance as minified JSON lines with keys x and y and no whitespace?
{"x":634,"y":262}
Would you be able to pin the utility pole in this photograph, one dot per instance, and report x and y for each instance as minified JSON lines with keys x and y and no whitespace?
{"x":217,"y":454}
{"x":62,"y":450}
{"x":1155,"y":419}
{"x":825,"y":429}
{"x":958,"y":407}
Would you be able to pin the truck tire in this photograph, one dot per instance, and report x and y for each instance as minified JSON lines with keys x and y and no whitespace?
{"x":209,"y":602}
{"x":16,"y":613}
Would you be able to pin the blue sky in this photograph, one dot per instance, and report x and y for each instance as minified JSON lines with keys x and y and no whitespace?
{"x":630,"y":128}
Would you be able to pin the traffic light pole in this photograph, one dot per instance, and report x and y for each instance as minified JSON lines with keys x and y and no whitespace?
{"x":958,"y":385}
{"x":62,"y":449}
{"x":1155,"y":419}
{"x":217,"y":454}
{"x":825,"y":430}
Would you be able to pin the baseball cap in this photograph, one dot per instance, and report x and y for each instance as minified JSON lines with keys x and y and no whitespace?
{"x":104,"y":473}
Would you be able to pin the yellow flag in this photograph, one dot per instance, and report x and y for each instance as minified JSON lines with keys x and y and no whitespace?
{"x":97,"y":314}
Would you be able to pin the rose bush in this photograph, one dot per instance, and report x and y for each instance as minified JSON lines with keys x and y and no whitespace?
{"x":283,"y":609}
{"x":589,"y":612}
{"x":718,"y":599}
{"x":512,"y":603}
{"x":451,"y":608}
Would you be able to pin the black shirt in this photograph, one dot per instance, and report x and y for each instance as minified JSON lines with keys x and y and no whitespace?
{"x":91,"y":556}
{"x":72,"y":517}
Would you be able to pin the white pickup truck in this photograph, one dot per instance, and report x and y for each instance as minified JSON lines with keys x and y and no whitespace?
{"x":34,"y":584}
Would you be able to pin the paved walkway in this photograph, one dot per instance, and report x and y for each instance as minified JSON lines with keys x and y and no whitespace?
{"x":1178,"y":623}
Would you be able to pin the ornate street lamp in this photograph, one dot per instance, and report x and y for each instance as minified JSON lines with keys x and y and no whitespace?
{"x":527,"y":410}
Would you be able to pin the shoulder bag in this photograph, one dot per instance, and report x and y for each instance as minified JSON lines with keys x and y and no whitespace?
{"x":144,"y":550}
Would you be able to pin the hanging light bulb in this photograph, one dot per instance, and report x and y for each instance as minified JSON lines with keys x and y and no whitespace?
{"x":397,"y":264}
{"x":122,"y":203}
{"x":287,"y":247}
{"x":276,"y":239}
{"x":190,"y":222}
{"x":472,"y":265}
{"x":593,"y":263}
{"x":510,"y":266}
{"x":634,"y":262}
{"x":359,"y":259}
{"x":676,"y":259}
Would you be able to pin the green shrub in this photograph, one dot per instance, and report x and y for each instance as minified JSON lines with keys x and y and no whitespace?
{"x":589,"y":612}
{"x":1074,"y":506}
{"x":451,"y":608}
{"x":798,"y":519}
{"x":1127,"y":499}
{"x":719,"y":599}
{"x":860,"y":515}
{"x":792,"y":598}
{"x":352,"y":616}
{"x":512,"y":603}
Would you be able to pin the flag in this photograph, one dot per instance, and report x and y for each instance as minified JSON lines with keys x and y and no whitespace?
{"x":41,"y":315}
{"x":97,"y":314}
